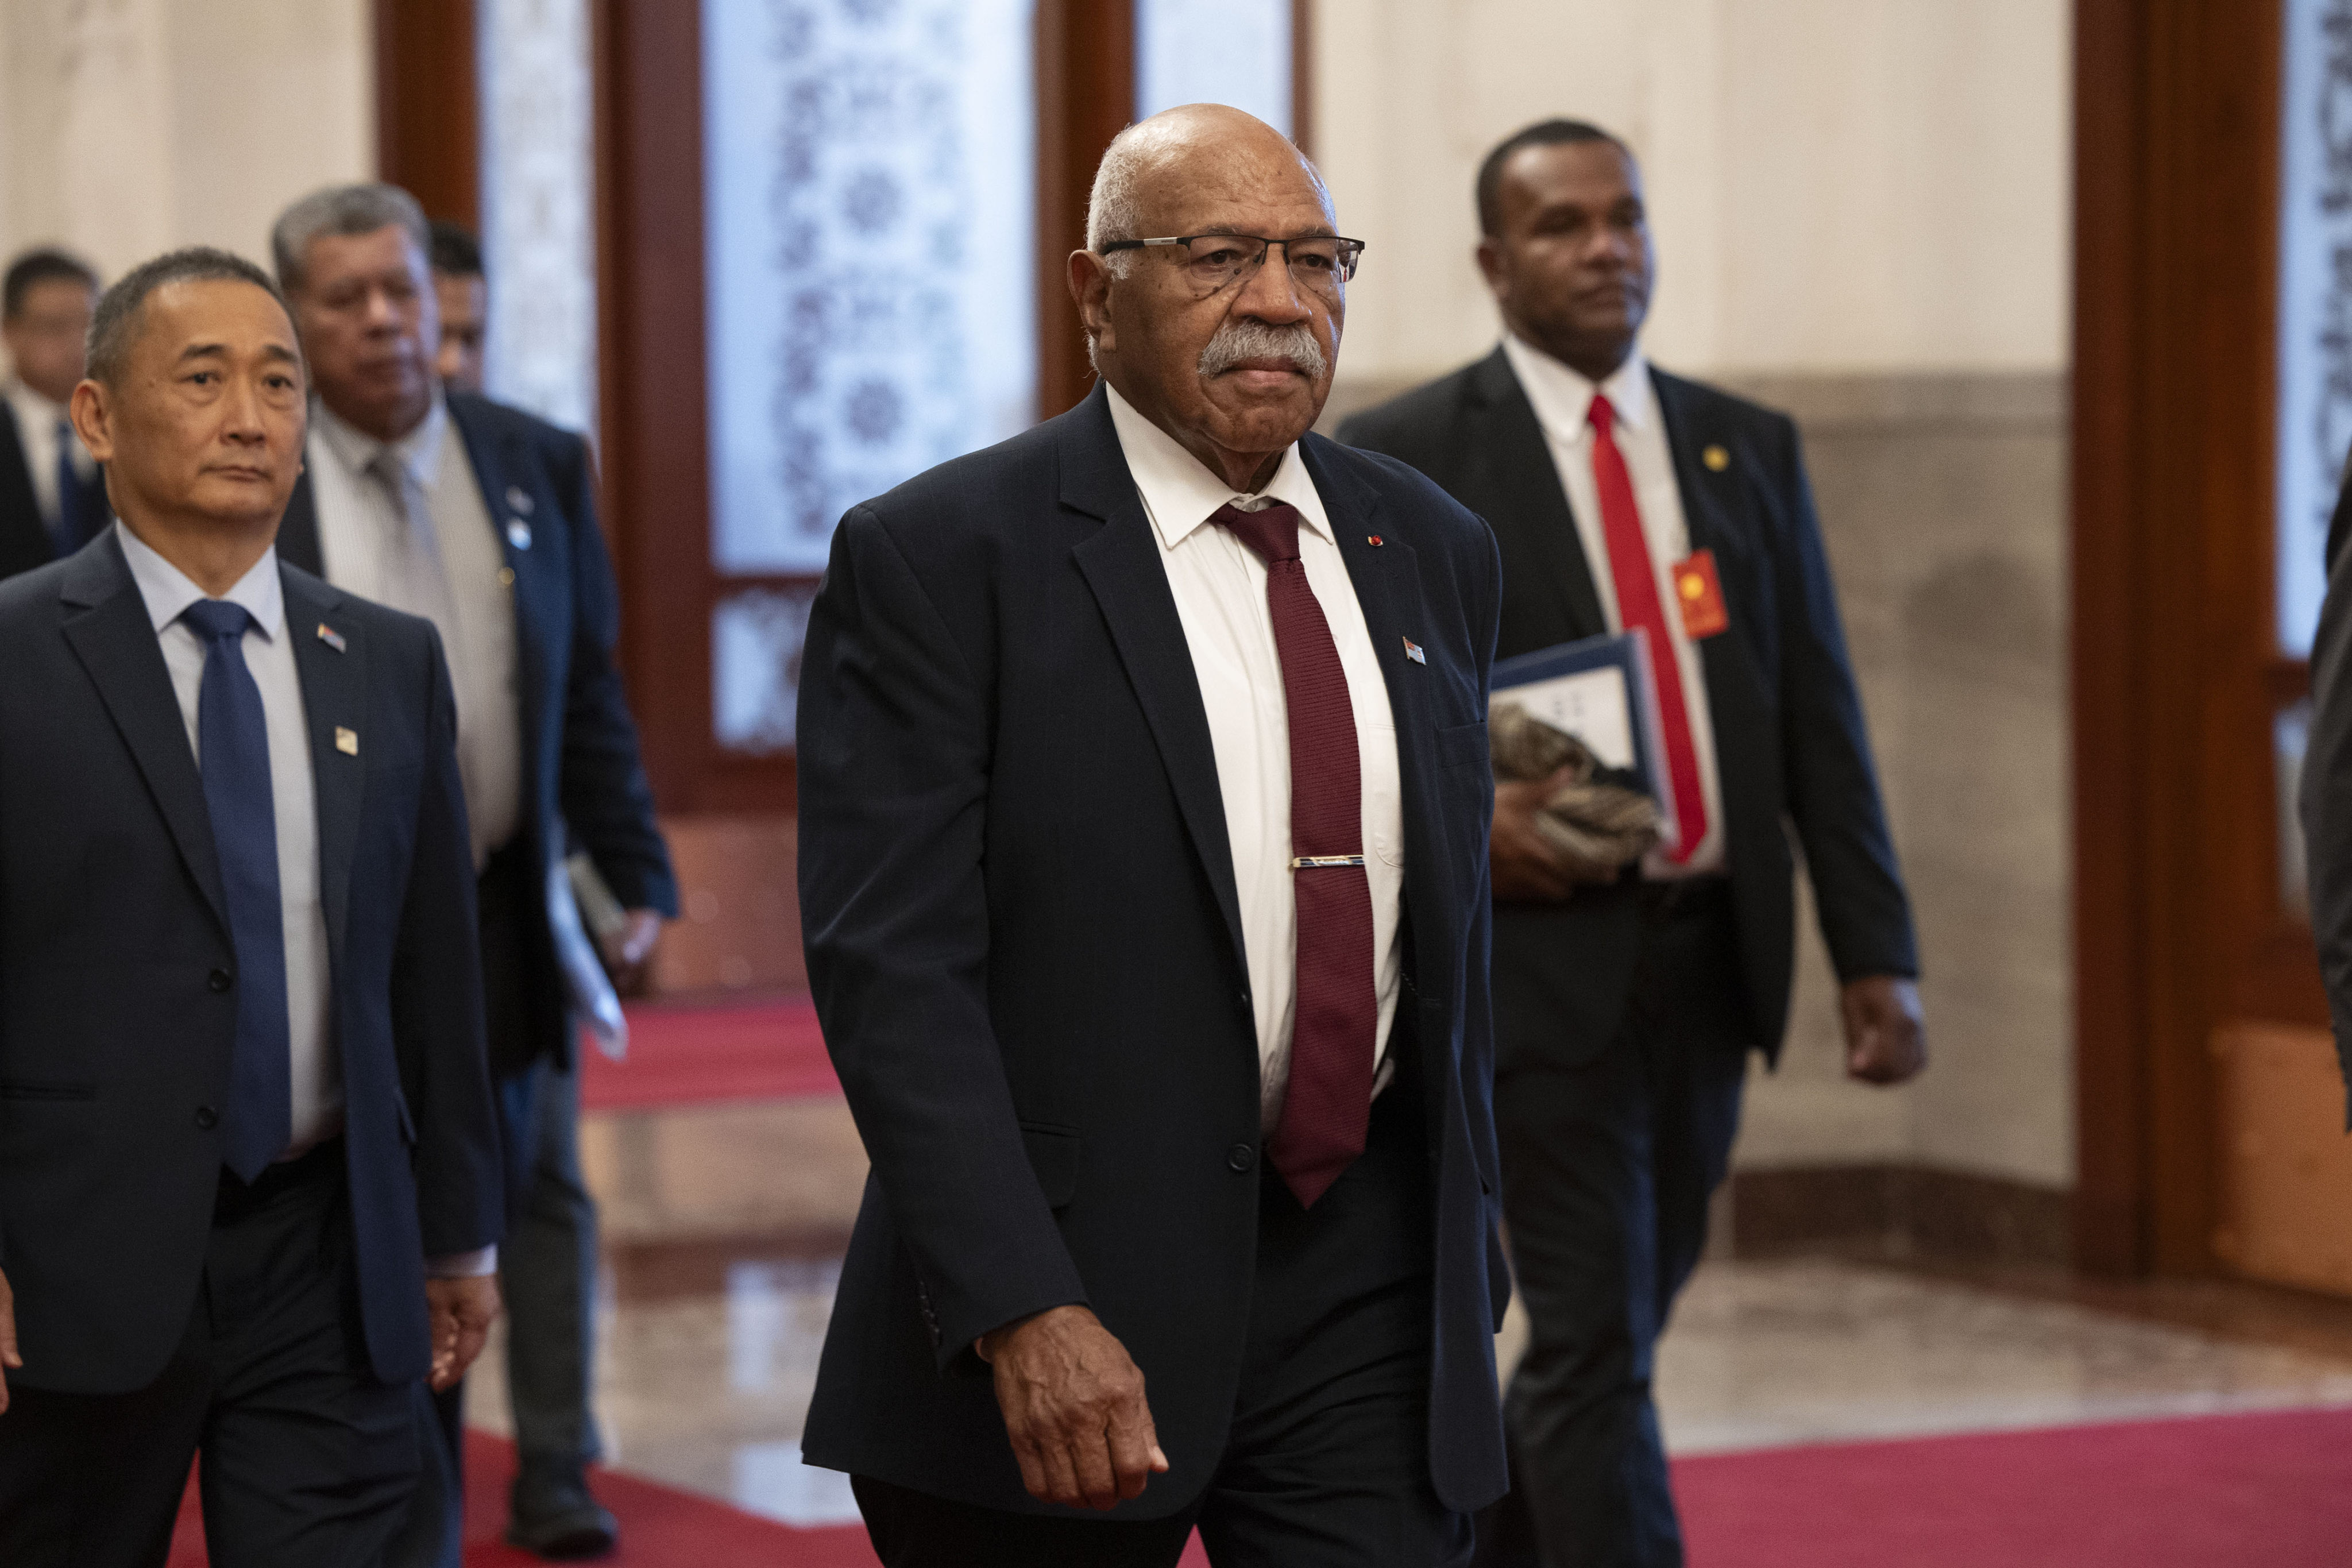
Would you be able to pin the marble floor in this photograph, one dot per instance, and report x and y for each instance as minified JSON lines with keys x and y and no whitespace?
{"x":725,"y":1224}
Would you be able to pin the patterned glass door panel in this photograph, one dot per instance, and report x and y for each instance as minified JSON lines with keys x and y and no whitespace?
{"x":869,"y":173}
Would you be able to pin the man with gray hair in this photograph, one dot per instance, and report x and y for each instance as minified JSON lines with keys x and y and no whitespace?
{"x":1143,"y":815}
{"x":482,"y":518}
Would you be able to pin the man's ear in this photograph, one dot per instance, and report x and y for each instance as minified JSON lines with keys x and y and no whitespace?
{"x":1089,"y":279}
{"x":1492,"y":267}
{"x":93,"y":419}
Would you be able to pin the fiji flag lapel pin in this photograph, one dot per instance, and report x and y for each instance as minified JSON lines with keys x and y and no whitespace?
{"x":1412,"y":651}
{"x":331,"y":637}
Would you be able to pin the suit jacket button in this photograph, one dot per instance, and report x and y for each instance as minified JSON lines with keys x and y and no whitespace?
{"x":218,"y":980}
{"x":208,"y":1118}
{"x":1241,"y":1156}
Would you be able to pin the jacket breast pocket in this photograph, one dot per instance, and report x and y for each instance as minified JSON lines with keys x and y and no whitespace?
{"x":1462,"y":745}
{"x":1053,"y":1157}
{"x":23,"y":1090}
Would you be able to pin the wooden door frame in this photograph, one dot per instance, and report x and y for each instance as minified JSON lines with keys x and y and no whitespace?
{"x":428,"y":125}
{"x":2179,"y":923}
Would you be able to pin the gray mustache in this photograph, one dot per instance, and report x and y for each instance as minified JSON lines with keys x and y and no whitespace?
{"x":1239,"y":340}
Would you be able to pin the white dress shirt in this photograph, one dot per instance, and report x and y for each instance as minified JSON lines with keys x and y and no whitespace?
{"x":36,"y":429}
{"x":317,"y":1072}
{"x":458,"y":580}
{"x":1219,"y":585}
{"x":1562,"y":397}
{"x":318,"y":1076}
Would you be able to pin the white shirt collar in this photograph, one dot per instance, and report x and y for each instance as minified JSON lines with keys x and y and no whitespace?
{"x":169,"y":592}
{"x":1180,"y":492}
{"x":1561,"y":396}
{"x":419,"y":451}
{"x":29,"y":402}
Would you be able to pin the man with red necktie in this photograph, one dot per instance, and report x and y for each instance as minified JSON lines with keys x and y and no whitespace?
{"x":1626,"y":1006}
{"x":1143,"y":806}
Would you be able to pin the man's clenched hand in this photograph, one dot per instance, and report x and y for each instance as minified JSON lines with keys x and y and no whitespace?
{"x":1074,"y":1407}
{"x":462,"y":1312}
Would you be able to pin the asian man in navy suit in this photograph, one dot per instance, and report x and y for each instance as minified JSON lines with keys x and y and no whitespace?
{"x":1143,"y":868}
{"x":250,"y":1184}
{"x":52,"y":498}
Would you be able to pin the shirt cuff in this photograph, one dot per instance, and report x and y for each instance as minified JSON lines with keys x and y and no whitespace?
{"x":463,"y":1265}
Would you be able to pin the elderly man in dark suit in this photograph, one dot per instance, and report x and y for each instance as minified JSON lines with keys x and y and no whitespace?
{"x":482,"y":518}
{"x":250,"y":1184}
{"x":1143,"y":813}
{"x":1626,"y":1006}
{"x":52,"y":498}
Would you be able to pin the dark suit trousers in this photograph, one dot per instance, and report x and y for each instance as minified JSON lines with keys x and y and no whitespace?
{"x":547,"y":1265}
{"x":1327,"y":1464}
{"x":308,"y":1459}
{"x":1607,"y":1170}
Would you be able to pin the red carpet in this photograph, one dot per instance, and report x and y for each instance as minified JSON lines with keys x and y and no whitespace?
{"x":661,"y":1526}
{"x":2216,"y":1491}
{"x":2210,"y":1492}
{"x":681,"y":1055}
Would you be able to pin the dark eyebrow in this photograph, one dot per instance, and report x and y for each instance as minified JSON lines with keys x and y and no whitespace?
{"x":202,"y":351}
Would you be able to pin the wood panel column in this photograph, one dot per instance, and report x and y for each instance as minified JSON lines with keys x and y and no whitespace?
{"x":1085,"y":95}
{"x":428,"y":120}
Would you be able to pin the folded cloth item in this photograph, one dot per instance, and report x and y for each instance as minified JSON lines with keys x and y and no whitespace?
{"x":1596,"y":823}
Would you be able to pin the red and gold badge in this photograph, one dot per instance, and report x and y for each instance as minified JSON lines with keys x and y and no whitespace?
{"x":1699,"y":592}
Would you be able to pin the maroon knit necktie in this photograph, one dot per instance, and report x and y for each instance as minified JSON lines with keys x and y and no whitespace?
{"x":1329,"y":1102}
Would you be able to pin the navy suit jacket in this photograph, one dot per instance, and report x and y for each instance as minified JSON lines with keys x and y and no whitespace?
{"x":118,"y":1006}
{"x":25,"y":540}
{"x":582,"y":779}
{"x":1791,"y":748}
{"x":1025,"y":942}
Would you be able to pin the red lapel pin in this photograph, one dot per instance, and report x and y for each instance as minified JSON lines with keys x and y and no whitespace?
{"x":1372,"y":539}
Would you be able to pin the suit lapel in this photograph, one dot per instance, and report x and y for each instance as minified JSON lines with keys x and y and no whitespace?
{"x":1535,"y":516}
{"x":1121,"y":564}
{"x":1710,"y":499}
{"x":502,"y":470}
{"x":106,"y":625}
{"x":298,"y":530}
{"x":334,"y":698}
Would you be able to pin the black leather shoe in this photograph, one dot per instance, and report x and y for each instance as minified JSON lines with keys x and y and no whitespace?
{"x":558,"y":1518}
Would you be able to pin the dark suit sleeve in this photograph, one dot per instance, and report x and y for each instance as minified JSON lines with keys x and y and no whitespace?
{"x":1832,"y":784}
{"x":436,"y":1001}
{"x":2326,"y":788}
{"x":605,"y":798}
{"x":894,"y":777}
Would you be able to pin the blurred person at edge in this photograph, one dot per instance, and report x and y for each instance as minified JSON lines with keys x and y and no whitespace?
{"x":463,"y":294}
{"x":249,"y":1168}
{"x":1143,"y":810}
{"x":481,"y":518}
{"x":52,"y":497}
{"x":1626,"y":1006}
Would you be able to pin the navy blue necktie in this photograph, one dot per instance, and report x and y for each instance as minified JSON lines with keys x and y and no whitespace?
{"x":72,"y":529}
{"x":232,"y":747}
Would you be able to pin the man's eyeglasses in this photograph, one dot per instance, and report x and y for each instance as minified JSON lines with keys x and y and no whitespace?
{"x":1211,"y":262}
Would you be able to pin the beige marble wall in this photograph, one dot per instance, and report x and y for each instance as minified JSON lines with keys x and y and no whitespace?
{"x":128,"y":127}
{"x":1857,"y":184}
{"x":1944,"y":501}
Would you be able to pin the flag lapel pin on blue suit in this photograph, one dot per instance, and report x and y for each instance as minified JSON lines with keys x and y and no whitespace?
{"x":331,"y":637}
{"x":1412,"y":651}
{"x":517,"y":533}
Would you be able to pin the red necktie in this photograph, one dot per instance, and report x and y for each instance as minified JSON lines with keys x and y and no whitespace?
{"x":1638,"y":606}
{"x":1329,"y":1102}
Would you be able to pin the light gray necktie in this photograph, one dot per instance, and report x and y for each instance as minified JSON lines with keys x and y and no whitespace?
{"x":412,"y":577}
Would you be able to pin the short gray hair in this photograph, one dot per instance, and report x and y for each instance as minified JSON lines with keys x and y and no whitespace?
{"x":114,"y":326}
{"x":342,"y":210}
{"x":1114,"y":206}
